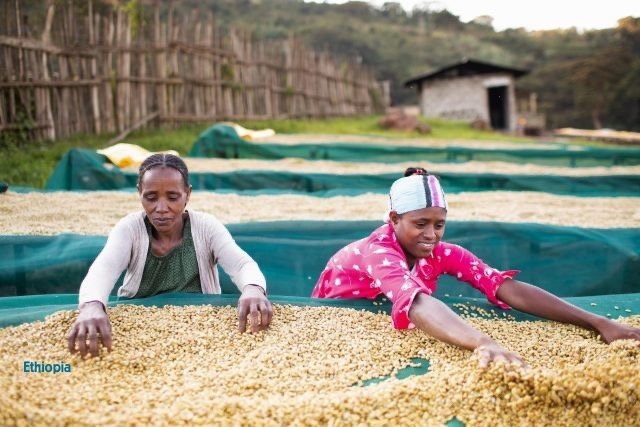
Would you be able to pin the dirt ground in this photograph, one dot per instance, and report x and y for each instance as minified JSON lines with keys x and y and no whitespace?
{"x":96,"y":212}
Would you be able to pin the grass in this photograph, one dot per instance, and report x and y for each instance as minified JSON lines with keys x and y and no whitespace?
{"x":30,"y":163}
{"x":368,"y":125}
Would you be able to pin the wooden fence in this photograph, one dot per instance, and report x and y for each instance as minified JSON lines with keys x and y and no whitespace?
{"x":102,"y":72}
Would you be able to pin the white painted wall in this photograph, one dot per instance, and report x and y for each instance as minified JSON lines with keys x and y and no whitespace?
{"x":465,"y":98}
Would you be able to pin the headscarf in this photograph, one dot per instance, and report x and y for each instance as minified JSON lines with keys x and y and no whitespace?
{"x":416,"y":192}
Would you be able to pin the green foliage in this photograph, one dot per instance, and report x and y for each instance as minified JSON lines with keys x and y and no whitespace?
{"x":236,"y":87}
{"x":227,"y":73}
{"x":289,"y":91}
{"x":595,"y":78}
{"x":624,"y":105}
{"x":629,"y":32}
{"x":19,"y":136}
{"x":31,"y":164}
{"x":376,"y":99}
{"x":133,"y":9}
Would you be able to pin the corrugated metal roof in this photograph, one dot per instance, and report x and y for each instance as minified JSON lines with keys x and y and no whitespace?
{"x":466,"y":67}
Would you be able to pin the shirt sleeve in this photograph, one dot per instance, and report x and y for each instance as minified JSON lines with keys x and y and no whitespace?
{"x":108,"y":265}
{"x":242,"y":269}
{"x":467,"y":267}
{"x":391,"y":275}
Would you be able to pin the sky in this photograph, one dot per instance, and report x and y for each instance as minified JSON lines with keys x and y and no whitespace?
{"x":532,"y":14}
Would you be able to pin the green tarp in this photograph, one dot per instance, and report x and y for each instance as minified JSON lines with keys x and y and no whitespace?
{"x":18,"y":310}
{"x":222,"y":141}
{"x":86,"y":170}
{"x":567,"y":261}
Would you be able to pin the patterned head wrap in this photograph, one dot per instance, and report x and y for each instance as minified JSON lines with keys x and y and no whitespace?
{"x":416,"y":192}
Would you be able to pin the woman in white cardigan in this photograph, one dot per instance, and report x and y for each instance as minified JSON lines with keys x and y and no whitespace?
{"x":165,"y":248}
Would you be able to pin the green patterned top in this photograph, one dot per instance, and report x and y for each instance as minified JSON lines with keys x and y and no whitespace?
{"x":177,"y":271}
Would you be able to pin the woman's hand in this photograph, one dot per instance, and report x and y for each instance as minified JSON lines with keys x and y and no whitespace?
{"x":536,"y":301}
{"x":611,"y":331}
{"x":436,"y":319}
{"x":254,"y":302}
{"x":493,"y":352}
{"x":92,"y":320}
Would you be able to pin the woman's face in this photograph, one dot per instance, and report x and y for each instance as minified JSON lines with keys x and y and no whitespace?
{"x":164,"y":197}
{"x":419,"y":231}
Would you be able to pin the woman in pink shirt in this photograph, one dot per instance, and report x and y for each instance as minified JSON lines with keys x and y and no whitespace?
{"x":403,"y":259}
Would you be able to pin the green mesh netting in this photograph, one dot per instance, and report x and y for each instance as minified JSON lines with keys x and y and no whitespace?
{"x":222,"y":141}
{"x":567,"y":261}
{"x":23,"y":189}
{"x":82,"y":169}
{"x":23,"y":309}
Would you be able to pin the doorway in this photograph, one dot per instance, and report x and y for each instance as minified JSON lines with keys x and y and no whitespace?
{"x":498,"y":107}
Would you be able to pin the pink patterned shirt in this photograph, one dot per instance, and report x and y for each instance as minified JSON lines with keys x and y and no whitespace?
{"x":377,"y":265}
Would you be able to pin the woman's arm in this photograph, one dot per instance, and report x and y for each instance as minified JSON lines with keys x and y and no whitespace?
{"x":92,"y":324}
{"x":108,"y":265}
{"x":533,"y":300}
{"x":240,"y":267}
{"x":246,"y":275}
{"x":436,"y":319}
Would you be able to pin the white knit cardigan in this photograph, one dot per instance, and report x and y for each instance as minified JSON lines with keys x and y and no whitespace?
{"x":128,"y":244}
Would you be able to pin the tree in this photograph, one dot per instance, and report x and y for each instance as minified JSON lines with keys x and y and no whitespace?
{"x":624,"y":106}
{"x":360,"y":9}
{"x":392,"y":9}
{"x":629,"y":30}
{"x":596,"y":77}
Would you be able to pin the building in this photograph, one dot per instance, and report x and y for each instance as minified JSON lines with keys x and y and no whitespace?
{"x":470,"y":90}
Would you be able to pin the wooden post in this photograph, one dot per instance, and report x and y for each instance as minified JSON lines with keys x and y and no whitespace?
{"x":123,"y":71}
{"x":119,"y":95}
{"x":159,"y":44}
{"x":288,"y":77}
{"x":110,"y":69}
{"x":265,"y":76}
{"x":126,"y":73}
{"x":46,"y":39}
{"x":95,"y":105}
{"x":210,"y":66}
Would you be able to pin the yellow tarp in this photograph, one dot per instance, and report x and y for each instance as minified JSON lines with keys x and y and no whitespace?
{"x":128,"y":155}
{"x":250,"y":134}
